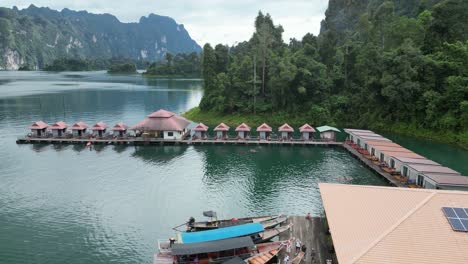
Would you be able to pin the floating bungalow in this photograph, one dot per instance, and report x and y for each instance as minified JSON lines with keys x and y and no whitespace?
{"x":120,"y":129}
{"x":264,"y":131}
{"x":164,"y":125}
{"x":328,"y":132}
{"x":200,"y":131}
{"x":79,"y":129}
{"x":445,"y":182}
{"x":39,"y":129}
{"x":286,"y":131}
{"x":99,"y":129}
{"x":306,"y":132}
{"x":402,"y":225}
{"x":243,"y":131}
{"x":59,"y":129}
{"x":221,"y":131}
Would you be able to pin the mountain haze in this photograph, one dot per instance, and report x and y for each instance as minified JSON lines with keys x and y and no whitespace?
{"x":36,"y":36}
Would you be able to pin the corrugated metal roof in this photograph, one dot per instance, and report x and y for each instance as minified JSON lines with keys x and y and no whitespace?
{"x":450,"y":180}
{"x":201,"y":127}
{"x":79,"y":126}
{"x":39,"y":125}
{"x":416,"y":161}
{"x":162,"y":120}
{"x":243,"y":127}
{"x":264,"y":128}
{"x":120,"y":127}
{"x":222,"y":233}
{"x":371,"y":224}
{"x":222,"y":127}
{"x":392,"y":148}
{"x":285,"y":128}
{"x":99,"y":126}
{"x":327,"y":128}
{"x":306,"y":128}
{"x":382,"y":143}
{"x":432,"y":169}
{"x":59,"y":125}
{"x":357,"y":130}
{"x":396,"y":154}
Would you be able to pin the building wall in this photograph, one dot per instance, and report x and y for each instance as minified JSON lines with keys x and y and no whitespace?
{"x":262,"y":135}
{"x":219,"y":134}
{"x":175,"y":135}
{"x":328,"y":135}
{"x":459,"y":188}
{"x":305,"y":135}
{"x":241,"y":134}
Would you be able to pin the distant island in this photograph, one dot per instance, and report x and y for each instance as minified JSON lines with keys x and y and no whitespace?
{"x":396,"y":66}
{"x":181,"y":65}
{"x":122,"y":68}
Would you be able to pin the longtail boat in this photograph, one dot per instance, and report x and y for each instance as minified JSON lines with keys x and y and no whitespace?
{"x":213,"y":224}
{"x":274,"y":222}
{"x":267,"y":251}
{"x":298,"y":258}
{"x":268,"y":234}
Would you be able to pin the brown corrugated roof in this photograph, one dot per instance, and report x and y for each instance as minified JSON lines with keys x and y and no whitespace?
{"x":403,"y":154}
{"x":382,"y":143}
{"x":432,"y":169}
{"x":416,"y":161}
{"x":371,"y":224}
{"x":376,"y":138}
{"x":451,"y":180}
{"x":392,"y":148}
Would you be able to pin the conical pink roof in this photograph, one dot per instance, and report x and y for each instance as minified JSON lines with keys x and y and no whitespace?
{"x":264,"y":128}
{"x":306,"y":128}
{"x":120,"y":127}
{"x":285,"y":128}
{"x":100,"y":126}
{"x":201,"y":127}
{"x":222,"y":127}
{"x":79,"y":126}
{"x":39,"y":125}
{"x":243,"y":127}
{"x":162,"y":120}
{"x":161,"y":114}
{"x":59,"y":125}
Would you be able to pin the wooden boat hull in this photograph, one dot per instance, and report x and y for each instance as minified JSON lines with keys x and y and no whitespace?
{"x":262,"y":258}
{"x":268,"y":234}
{"x":274,"y":222}
{"x":298,"y":258}
{"x":207,"y":225}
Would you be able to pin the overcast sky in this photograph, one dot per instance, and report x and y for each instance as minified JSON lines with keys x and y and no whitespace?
{"x":213,"y":21}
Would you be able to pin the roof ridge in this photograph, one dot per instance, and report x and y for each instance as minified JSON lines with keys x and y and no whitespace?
{"x":395,"y":226}
{"x":400,"y":188}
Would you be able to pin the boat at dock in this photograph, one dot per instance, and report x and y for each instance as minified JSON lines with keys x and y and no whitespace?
{"x":267,"y":251}
{"x":269,"y":234}
{"x":215,"y":223}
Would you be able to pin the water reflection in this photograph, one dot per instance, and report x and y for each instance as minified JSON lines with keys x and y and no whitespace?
{"x":159,"y":155}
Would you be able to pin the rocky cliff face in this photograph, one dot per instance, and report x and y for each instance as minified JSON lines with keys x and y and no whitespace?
{"x":36,"y":36}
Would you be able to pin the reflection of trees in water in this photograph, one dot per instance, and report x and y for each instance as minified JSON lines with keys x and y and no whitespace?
{"x":60,"y":147}
{"x":79,"y":147}
{"x":159,"y":154}
{"x":39,"y":147}
{"x":120,"y":148}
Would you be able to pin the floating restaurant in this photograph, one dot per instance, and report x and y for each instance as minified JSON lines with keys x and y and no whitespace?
{"x":163,"y":124}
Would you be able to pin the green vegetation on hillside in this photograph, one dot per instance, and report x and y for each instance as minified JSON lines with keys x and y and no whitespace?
{"x":186,"y":65}
{"x":122,"y":68}
{"x":68,"y":64}
{"x":391,"y":72}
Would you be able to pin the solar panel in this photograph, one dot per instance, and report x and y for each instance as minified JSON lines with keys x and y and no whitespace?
{"x":457,"y":217}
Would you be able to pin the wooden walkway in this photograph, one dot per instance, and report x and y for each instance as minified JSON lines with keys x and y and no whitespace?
{"x":391,"y":179}
{"x":312,"y":234}
{"x":153,"y":141}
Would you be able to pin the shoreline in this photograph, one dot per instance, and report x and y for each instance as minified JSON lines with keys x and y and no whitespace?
{"x":211,"y":118}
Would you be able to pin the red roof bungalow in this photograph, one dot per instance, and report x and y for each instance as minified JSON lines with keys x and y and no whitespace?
{"x":221,"y":131}
{"x":120,"y":129}
{"x":200,"y":131}
{"x":59,"y":128}
{"x":38,"y":128}
{"x":243,"y":131}
{"x":286,"y":131}
{"x":99,"y":129}
{"x":79,"y":129}
{"x":163,"y":124}
{"x":264,"y":131}
{"x":306,"y":131}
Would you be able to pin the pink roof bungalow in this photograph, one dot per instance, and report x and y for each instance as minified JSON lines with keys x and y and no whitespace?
{"x":221,"y":131}
{"x":99,"y":129}
{"x":79,"y":129}
{"x":264,"y":131}
{"x":38,"y":128}
{"x":120,"y":129}
{"x":307,"y":131}
{"x":243,"y":131}
{"x":286,"y":131}
{"x":59,"y":128}
{"x":200,"y":131}
{"x":163,"y":124}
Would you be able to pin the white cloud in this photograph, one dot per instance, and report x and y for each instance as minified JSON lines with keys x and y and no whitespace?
{"x":212,"y":21}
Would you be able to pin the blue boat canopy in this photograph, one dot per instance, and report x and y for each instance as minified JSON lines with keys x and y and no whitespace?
{"x":222,"y":233}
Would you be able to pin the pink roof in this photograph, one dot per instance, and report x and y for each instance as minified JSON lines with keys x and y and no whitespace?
{"x":59,"y":125}
{"x":285,"y":128}
{"x":221,"y":127}
{"x":162,"y":120}
{"x":120,"y":127}
{"x":39,"y":125}
{"x":79,"y":126}
{"x":306,"y":128}
{"x":100,"y":126}
{"x":264,"y":128}
{"x":243,"y":127}
{"x":201,"y":127}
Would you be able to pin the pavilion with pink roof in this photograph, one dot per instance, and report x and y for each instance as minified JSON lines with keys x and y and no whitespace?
{"x":59,"y":128}
{"x":120,"y":129}
{"x":163,"y":124}
{"x":38,"y":128}
{"x":221,"y":131}
{"x":286,"y":131}
{"x":307,"y":131}
{"x":79,"y":129}
{"x":243,"y":131}
{"x":264,"y":131}
{"x":200,"y":131}
{"x":99,"y":129}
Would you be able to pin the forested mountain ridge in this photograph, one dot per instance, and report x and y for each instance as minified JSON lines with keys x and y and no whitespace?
{"x":36,"y":36}
{"x":399,"y":67}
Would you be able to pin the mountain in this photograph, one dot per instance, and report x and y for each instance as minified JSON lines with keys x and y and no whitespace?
{"x":35,"y":36}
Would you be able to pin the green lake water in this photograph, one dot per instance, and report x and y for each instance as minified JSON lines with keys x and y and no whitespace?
{"x":66,"y":204}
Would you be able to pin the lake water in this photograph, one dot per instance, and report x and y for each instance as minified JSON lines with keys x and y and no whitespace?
{"x":66,"y":204}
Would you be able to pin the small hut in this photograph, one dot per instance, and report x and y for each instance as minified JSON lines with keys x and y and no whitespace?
{"x":328,"y":132}
{"x":221,"y":131}
{"x":200,"y":131}
{"x":59,"y":129}
{"x":120,"y":129}
{"x":38,"y":129}
{"x":306,"y":131}
{"x":264,"y":131}
{"x":286,"y":131}
{"x":99,"y":129}
{"x":79,"y":129}
{"x":243,"y":131}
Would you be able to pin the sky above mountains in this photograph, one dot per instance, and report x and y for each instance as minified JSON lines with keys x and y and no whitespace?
{"x":213,"y":21}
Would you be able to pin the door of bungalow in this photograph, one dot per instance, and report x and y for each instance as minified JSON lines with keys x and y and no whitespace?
{"x":420,"y":180}
{"x":365,"y":146}
{"x":382,"y":157}
{"x":405,"y":171}
{"x":392,"y":163}
{"x":373,"y":151}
